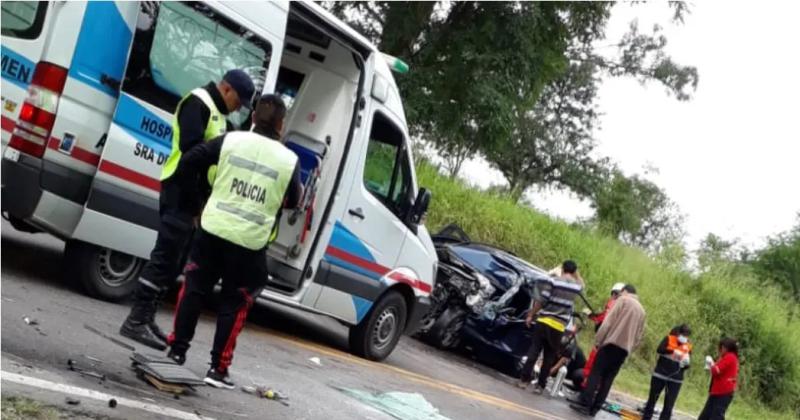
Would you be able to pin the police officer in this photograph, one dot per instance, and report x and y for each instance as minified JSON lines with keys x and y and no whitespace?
{"x":200,"y":116}
{"x":255,"y":178}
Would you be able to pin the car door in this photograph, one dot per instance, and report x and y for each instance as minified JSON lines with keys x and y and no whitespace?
{"x":368,"y":236}
{"x":177,"y":47}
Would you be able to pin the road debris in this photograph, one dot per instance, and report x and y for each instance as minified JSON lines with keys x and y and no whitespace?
{"x":400,"y":405}
{"x":316,"y":361}
{"x":112,"y":403}
{"x":93,"y":359}
{"x":267,"y":393}
{"x":73,"y":401}
{"x":30,"y":321}
{"x":73,"y":366}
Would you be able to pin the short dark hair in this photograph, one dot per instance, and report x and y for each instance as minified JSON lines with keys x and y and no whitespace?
{"x":569,"y":267}
{"x":682,"y":329}
{"x":629,"y":288}
{"x":730,"y":344}
{"x":270,"y":109}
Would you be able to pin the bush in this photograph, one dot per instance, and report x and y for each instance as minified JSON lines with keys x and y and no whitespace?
{"x":715,"y":304}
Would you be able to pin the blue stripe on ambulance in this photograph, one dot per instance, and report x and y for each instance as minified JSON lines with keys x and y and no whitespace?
{"x":345,"y":240}
{"x":102,"y":47}
{"x":16,"y":68}
{"x":143,"y":125}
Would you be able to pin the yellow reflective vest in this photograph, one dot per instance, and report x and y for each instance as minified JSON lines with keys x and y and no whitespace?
{"x":215,"y":127}
{"x":253,"y":173}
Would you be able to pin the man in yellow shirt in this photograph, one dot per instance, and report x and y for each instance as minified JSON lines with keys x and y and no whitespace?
{"x":553,"y":305}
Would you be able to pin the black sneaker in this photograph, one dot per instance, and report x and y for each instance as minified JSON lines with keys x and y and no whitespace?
{"x":141,"y":333}
{"x":177,"y":357}
{"x":218,"y":379}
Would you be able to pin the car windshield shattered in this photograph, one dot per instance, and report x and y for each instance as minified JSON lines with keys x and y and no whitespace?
{"x":480,"y":300}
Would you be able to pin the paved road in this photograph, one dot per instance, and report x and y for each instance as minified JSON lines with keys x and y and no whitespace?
{"x":274,"y":349}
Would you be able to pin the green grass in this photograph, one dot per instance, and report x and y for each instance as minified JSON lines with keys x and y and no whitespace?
{"x":17,"y":408}
{"x":723,"y":302}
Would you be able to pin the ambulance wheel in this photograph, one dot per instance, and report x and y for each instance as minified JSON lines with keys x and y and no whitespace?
{"x":103,"y":273}
{"x":378,"y":333}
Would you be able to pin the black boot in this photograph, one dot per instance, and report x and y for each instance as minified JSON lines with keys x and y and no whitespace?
{"x":137,"y":325}
{"x":154,"y":329}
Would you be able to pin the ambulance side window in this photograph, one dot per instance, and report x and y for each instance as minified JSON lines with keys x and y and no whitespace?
{"x":22,"y":19}
{"x":387,"y":171}
{"x":180,"y":46}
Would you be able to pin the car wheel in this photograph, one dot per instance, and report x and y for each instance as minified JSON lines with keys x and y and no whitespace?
{"x":378,"y":333}
{"x":103,"y":273}
{"x":446,"y":331}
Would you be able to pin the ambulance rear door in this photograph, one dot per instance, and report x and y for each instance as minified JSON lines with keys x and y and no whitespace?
{"x":177,"y":46}
{"x":23,"y":39}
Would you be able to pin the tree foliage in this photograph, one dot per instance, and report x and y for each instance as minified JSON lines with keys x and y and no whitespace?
{"x":779,"y":260}
{"x":715,"y":251}
{"x":637,"y":211}
{"x":498,"y":78}
{"x":552,"y":145}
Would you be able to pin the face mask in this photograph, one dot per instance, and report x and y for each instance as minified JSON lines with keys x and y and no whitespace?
{"x":682,"y":339}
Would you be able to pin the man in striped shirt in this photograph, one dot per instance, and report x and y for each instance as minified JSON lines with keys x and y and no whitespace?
{"x":553,"y":305}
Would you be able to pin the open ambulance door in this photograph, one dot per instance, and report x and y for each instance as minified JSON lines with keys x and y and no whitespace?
{"x":177,"y":47}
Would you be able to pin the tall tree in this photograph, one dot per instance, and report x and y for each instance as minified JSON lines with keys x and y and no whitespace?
{"x":637,"y":211}
{"x":779,"y":260}
{"x":552,"y":144}
{"x":478,"y":67}
{"x":715,"y":251}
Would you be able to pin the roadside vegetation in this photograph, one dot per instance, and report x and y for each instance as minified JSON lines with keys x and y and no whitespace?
{"x":20,"y":408}
{"x":722,"y":300}
{"x":516,"y":84}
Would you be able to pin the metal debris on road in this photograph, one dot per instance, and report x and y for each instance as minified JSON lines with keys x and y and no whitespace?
{"x":316,"y":361}
{"x":93,"y":359}
{"x":30,"y":321}
{"x":73,"y":401}
{"x":267,"y":393}
{"x":112,"y":403}
{"x":73,"y":366}
{"x":400,"y":405}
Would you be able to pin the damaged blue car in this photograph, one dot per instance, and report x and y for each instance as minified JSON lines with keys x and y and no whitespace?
{"x":480,"y":300}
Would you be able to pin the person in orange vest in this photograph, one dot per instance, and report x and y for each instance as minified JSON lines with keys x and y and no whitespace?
{"x":598,"y":319}
{"x":673,"y":359}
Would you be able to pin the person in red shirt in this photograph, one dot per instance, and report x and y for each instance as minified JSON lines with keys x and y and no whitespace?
{"x":724,"y":374}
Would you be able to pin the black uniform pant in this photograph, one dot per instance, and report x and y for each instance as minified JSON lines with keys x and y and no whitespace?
{"x":656,"y":386}
{"x":172,"y":244}
{"x":606,"y":366}
{"x":543,"y":339}
{"x":243,"y":272}
{"x":716,"y":406}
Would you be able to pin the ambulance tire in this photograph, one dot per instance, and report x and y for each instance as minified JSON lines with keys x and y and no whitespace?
{"x":103,"y":273}
{"x":378,"y":333}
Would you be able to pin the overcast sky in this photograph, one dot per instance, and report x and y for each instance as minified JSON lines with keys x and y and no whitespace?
{"x":730,"y":156}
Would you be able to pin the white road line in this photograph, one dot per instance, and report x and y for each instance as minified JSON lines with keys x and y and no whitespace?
{"x":100,"y":396}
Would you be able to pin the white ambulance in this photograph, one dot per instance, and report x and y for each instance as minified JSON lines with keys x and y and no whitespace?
{"x":88,"y":92}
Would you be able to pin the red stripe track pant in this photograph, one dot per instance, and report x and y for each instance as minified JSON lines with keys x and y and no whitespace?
{"x":243,"y":274}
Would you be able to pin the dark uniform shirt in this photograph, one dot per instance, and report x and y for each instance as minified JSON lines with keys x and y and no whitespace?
{"x":194,"y":164}
{"x":667,"y":368}
{"x":193,"y":116}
